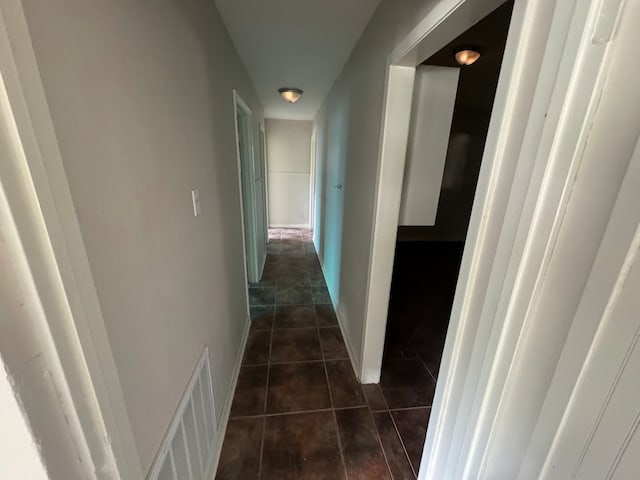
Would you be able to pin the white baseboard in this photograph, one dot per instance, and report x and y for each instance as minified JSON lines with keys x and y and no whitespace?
{"x":224,"y":417}
{"x":355,"y":364}
{"x":297,"y":225}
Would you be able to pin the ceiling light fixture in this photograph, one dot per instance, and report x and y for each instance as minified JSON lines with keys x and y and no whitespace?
{"x":291,"y":95}
{"x":467,"y":55}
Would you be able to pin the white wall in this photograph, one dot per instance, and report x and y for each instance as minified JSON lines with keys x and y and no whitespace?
{"x":434,"y":97}
{"x":459,"y":180}
{"x":348,"y":126}
{"x":20,"y":454}
{"x":141,"y":99}
{"x":289,"y":170}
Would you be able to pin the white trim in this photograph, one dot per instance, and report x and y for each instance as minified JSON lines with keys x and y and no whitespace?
{"x":263,"y":146}
{"x":518,"y":180}
{"x":436,"y":29}
{"x":248,"y":238}
{"x":61,"y":268}
{"x":557,"y":159}
{"x":312,"y":178}
{"x":293,"y":225}
{"x":212,"y":466}
{"x":355,"y":364}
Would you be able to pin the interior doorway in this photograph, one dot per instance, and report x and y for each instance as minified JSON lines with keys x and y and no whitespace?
{"x":451,"y":111}
{"x":246,"y":175}
{"x":428,"y":253}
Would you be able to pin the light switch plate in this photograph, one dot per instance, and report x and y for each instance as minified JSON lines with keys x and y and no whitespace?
{"x":195,"y":196}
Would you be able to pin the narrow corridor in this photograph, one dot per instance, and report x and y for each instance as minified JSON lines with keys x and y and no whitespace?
{"x":298,"y":411}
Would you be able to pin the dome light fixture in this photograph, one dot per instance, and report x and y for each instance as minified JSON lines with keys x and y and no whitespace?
{"x":467,"y":55}
{"x":291,"y":95}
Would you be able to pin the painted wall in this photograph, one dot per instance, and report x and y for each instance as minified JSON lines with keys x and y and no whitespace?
{"x":434,"y":96}
{"x":459,"y":180}
{"x":348,"y":126}
{"x":289,"y":171}
{"x":141,"y":98}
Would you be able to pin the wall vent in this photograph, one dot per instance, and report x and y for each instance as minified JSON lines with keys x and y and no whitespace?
{"x":186,"y":449}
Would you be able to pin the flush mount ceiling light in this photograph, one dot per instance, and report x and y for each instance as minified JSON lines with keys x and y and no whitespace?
{"x":467,"y":55}
{"x":291,"y":95}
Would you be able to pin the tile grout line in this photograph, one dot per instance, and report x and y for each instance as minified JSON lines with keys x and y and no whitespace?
{"x":264,"y":427}
{"x":326,"y":372}
{"x":435,"y":380}
{"x":281,"y":414}
{"x":405,"y":409}
{"x":266,"y":396}
{"x":333,"y":411}
{"x":395,"y":427}
{"x":404,"y":448}
{"x":384,"y":452}
{"x":375,"y":426}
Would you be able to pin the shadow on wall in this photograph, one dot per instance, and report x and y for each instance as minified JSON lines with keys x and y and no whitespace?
{"x":331,"y":167}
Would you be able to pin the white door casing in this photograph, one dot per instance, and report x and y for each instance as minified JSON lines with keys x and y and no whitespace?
{"x":76,"y":364}
{"x":246,"y":184}
{"x":549,"y":89}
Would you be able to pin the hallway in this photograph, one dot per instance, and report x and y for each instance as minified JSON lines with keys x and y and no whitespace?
{"x":299,"y":411}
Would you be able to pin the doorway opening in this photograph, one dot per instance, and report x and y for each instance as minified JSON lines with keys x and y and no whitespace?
{"x":450,"y":116}
{"x":246,"y":175}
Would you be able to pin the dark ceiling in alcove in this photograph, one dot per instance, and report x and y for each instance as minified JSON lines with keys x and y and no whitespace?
{"x":478,"y":81}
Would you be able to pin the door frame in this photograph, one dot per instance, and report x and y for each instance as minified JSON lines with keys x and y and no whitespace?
{"x":243,"y":120}
{"x":265,"y":178}
{"x":81,"y":362}
{"x":551,"y":73}
{"x":312,"y":178}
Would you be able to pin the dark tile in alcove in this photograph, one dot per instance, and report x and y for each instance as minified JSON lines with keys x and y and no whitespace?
{"x":240,"y":457}
{"x":290,"y":316}
{"x":301,"y":446}
{"x":406,"y":383}
{"x":345,"y":388}
{"x":251,"y":391}
{"x":375,"y":398}
{"x":294,"y":296}
{"x":363,"y":455}
{"x":296,"y":387}
{"x":262,"y":296}
{"x":262,"y":318}
{"x":257,"y":349}
{"x":412,"y":425}
{"x":333,"y":345}
{"x":326,"y":315}
{"x":295,"y":345}
{"x":397,"y":346}
{"x":429,"y":348}
{"x":396,"y":455}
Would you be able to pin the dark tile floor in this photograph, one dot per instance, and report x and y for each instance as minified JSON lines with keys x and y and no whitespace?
{"x":299,"y":411}
{"x":422,"y":291}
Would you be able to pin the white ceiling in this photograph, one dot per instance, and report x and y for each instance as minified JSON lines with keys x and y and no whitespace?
{"x":294,"y":43}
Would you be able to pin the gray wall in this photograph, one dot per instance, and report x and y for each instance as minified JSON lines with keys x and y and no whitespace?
{"x":141,"y":99}
{"x":289,"y":171}
{"x":348,"y":126}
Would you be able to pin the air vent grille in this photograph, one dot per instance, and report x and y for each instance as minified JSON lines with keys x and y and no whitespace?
{"x":187,"y":447}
